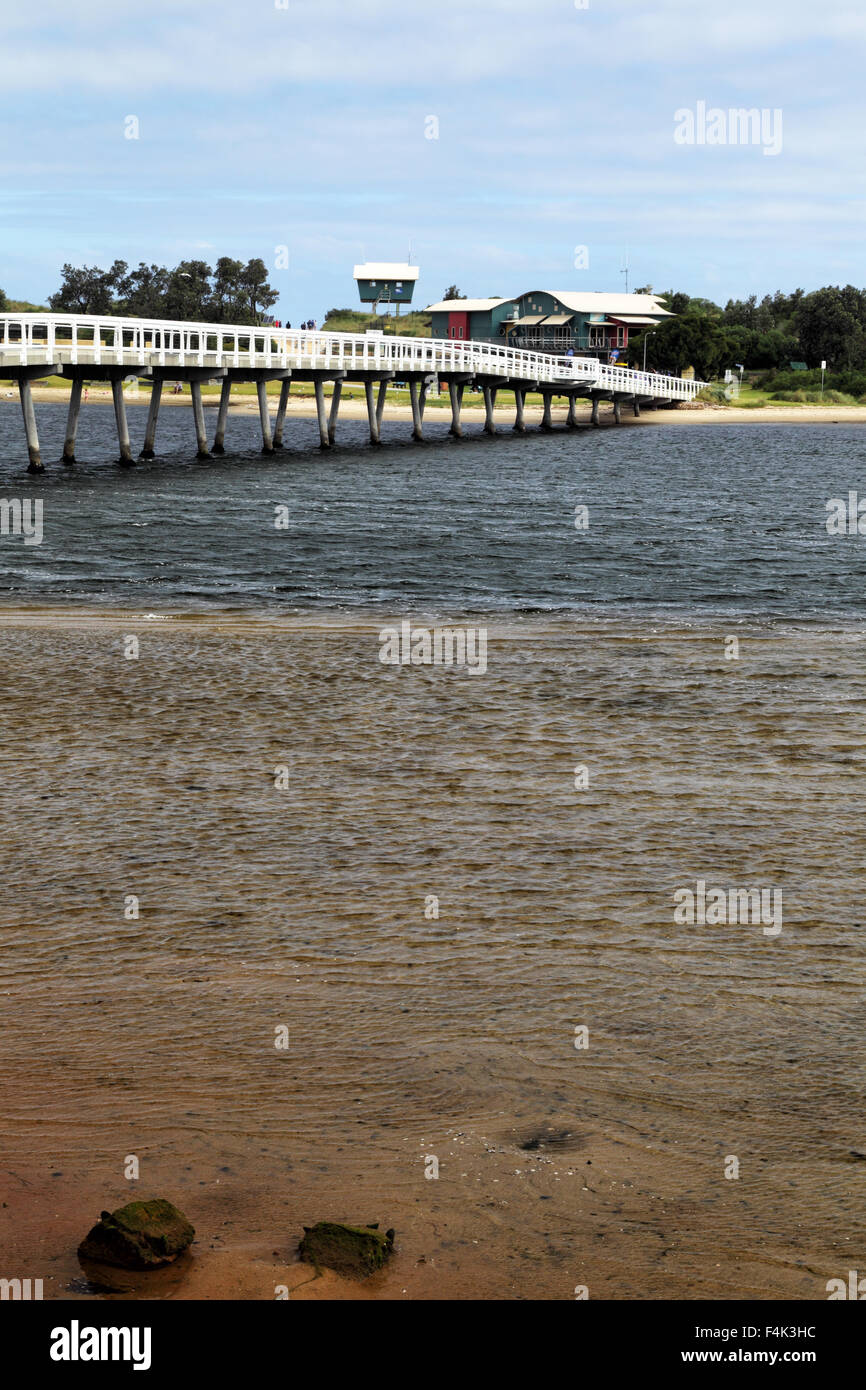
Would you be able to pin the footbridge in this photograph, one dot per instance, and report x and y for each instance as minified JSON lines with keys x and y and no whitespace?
{"x":85,"y":347}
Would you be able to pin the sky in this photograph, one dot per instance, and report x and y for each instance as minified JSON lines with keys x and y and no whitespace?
{"x":511,"y":144}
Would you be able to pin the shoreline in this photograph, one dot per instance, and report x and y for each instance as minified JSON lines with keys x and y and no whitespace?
{"x":304,"y":408}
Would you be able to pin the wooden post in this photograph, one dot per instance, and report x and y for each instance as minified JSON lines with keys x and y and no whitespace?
{"x":126,"y":458}
{"x":152,"y":417}
{"x":264,"y":417}
{"x":336,"y":393}
{"x":198,"y":416}
{"x":72,"y":421}
{"x":222,"y":417}
{"x":35,"y":465}
{"x":285,"y":387}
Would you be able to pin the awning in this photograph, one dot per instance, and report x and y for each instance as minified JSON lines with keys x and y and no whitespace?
{"x":635,"y":320}
{"x":557,"y":320}
{"x":528,"y":321}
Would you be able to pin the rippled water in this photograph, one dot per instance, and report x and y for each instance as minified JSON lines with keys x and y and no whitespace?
{"x":413,"y":1035}
{"x":682,"y":519}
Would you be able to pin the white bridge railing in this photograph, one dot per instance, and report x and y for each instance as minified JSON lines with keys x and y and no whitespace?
{"x":100,"y":341}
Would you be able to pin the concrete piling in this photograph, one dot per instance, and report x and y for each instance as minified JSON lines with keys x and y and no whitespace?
{"x":489,"y":407}
{"x":125,"y":458}
{"x":72,"y":420}
{"x":617,"y":412}
{"x":285,"y":388}
{"x":322,"y":414}
{"x":417,"y":426}
{"x":546,"y":417}
{"x":571,"y":418}
{"x":198,"y":416}
{"x":372,"y":413}
{"x":222,"y":416}
{"x":35,"y":464}
{"x":264,"y":417}
{"x":455,"y":393}
{"x":519,"y":403}
{"x":336,"y":393}
{"x":596,"y":400}
{"x":147,"y":451}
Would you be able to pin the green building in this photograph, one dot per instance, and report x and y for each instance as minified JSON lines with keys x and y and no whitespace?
{"x":590,"y":324}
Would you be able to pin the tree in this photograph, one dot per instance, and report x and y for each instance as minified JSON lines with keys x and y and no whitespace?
{"x":142,"y":293}
{"x":3,"y":301}
{"x":88,"y":290}
{"x":694,"y":339}
{"x":831,"y":326}
{"x":188,"y":292}
{"x":227,"y":305}
{"x":255,"y":288}
{"x":452,"y":292}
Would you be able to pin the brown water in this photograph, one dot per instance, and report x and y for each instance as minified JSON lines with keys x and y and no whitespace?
{"x":412,"y":1036}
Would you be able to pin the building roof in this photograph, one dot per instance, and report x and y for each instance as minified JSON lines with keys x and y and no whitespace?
{"x":385,"y":270}
{"x":593,"y":302}
{"x":464,"y":306}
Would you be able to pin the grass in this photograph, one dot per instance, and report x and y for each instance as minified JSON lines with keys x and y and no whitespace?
{"x":753,"y":397}
{"x":413,"y":324}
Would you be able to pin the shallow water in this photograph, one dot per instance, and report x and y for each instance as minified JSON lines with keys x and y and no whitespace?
{"x":452,"y":1037}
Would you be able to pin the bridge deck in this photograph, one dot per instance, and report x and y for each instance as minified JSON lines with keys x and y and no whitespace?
{"x":31,"y":340}
{"x":87,"y":346}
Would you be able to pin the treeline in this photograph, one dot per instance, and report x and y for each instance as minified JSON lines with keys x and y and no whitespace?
{"x":827,"y":325}
{"x":232,"y":292}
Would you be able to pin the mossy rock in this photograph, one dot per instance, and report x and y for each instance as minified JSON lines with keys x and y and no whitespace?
{"x":142,"y":1235}
{"x":355,"y":1251}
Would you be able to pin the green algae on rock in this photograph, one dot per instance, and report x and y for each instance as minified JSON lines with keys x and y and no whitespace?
{"x":141,"y":1235}
{"x":355,"y":1251}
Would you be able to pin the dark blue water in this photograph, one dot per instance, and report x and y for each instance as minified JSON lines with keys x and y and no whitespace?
{"x":683,"y":519}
